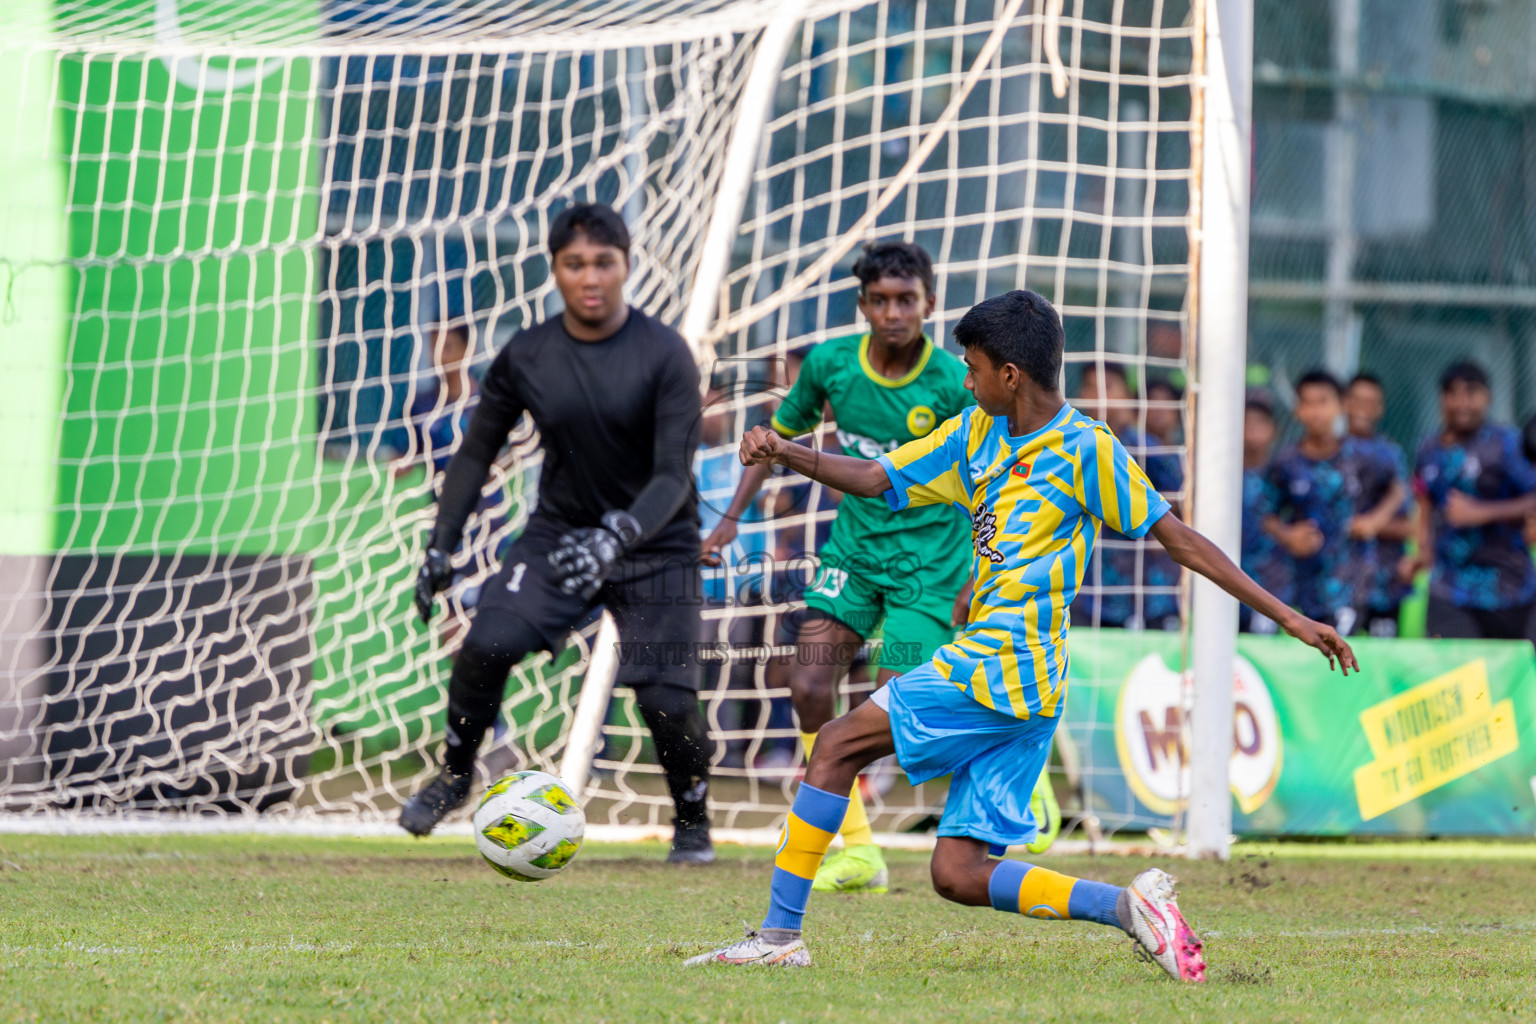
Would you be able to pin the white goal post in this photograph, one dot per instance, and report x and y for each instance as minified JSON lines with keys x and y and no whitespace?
{"x":1226,"y":127}
{"x":257,"y":225}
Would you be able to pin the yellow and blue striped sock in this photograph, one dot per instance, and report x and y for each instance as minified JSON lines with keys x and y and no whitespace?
{"x":856,"y":829}
{"x":813,"y":821}
{"x":1020,"y":888}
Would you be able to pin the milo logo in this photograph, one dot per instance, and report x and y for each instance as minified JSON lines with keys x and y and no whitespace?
{"x":1152,"y":736}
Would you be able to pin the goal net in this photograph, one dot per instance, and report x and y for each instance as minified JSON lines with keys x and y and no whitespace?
{"x":238,"y":240}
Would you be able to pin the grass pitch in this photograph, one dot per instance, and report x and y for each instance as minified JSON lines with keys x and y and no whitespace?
{"x":202,"y":928}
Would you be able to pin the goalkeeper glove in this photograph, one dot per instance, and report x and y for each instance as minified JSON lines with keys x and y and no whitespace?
{"x":433,"y":578}
{"x":584,"y":558}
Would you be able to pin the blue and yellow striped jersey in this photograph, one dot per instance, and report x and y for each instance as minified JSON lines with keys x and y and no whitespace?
{"x":1036,"y":504}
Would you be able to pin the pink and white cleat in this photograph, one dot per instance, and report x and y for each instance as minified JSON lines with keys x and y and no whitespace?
{"x":755,"y":951}
{"x":1162,"y":930}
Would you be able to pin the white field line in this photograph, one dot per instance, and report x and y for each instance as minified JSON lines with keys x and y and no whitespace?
{"x":1049,"y":933}
{"x":156,"y":825}
{"x":385,"y":828}
{"x":153,"y":825}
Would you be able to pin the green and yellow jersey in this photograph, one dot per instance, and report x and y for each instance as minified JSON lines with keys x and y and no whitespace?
{"x":876,"y":415}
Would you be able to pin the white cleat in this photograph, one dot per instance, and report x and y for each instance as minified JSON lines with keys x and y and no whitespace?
{"x":1162,"y":930}
{"x":755,"y":951}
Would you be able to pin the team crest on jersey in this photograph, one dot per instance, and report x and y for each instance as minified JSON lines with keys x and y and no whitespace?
{"x":1021,"y":469}
{"x":920,"y":420}
{"x":984,"y":526}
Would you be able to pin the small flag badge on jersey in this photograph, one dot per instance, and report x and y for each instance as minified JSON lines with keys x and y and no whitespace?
{"x":1021,"y":469}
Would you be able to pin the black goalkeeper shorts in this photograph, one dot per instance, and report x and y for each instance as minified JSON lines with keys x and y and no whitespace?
{"x":655,"y":600}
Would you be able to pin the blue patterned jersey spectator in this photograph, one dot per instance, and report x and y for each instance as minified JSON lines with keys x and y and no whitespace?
{"x":1314,"y":487}
{"x":1131,"y":584}
{"x":1262,"y":557}
{"x":1165,"y":412}
{"x":1381,"y":522}
{"x":1474,"y":488}
{"x":438,"y":423}
{"x":1159,"y":573}
{"x":718,"y":469}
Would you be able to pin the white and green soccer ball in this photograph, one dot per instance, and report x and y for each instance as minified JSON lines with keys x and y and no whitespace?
{"x":528,"y":826}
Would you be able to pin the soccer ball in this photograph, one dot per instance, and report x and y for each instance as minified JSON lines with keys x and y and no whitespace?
{"x":528,"y":826}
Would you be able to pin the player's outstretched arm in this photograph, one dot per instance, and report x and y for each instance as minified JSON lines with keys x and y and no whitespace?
{"x":1194,"y":552}
{"x":863,"y":477}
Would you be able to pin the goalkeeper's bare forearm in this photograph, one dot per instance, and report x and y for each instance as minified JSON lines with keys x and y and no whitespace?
{"x":863,"y":477}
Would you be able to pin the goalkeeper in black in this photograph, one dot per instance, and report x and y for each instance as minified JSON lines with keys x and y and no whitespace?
{"x":615,"y":396}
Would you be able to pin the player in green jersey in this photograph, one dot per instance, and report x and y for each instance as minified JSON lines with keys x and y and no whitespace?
{"x":903,"y":572}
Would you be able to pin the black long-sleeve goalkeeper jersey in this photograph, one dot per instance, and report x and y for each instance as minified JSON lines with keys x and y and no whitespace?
{"x":618,"y":421}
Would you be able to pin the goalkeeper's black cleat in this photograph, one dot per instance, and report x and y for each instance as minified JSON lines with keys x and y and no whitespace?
{"x":432,"y":803}
{"x":691,"y":845}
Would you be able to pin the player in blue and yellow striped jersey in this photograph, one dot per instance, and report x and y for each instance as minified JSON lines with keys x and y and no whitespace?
{"x":1039,"y":481}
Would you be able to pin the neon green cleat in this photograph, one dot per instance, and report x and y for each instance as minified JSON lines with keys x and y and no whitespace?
{"x":853,"y":869}
{"x":1047,"y":812}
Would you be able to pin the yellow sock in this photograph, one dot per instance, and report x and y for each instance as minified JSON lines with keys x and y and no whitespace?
{"x":856,"y":830}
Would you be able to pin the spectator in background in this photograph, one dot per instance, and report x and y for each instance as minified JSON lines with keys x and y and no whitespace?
{"x":780,"y":582}
{"x":1474,"y":488}
{"x":1381,"y":523}
{"x":717,"y":468}
{"x":1314,"y":487}
{"x":1262,"y":557}
{"x":443,"y":404}
{"x":439,"y":419}
{"x":1165,"y":338}
{"x":1165,"y":415}
{"x":1124,"y":597}
{"x":746,"y":578}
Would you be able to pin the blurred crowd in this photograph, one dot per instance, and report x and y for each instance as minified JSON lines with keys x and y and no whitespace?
{"x":1339,"y":523}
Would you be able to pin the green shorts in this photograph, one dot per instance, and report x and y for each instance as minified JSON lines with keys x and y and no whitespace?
{"x":909,"y":604}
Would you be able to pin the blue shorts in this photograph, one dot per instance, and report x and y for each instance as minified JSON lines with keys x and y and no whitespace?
{"x":994,"y":759}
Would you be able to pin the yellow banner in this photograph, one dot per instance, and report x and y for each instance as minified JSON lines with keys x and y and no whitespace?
{"x":1430,"y":735}
{"x":1399,"y":721}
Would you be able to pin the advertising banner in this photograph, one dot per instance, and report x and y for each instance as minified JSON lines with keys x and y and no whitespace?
{"x":1433,"y":737}
{"x":190,"y":194}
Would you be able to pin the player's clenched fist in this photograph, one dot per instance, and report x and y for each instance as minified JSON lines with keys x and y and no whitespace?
{"x":760,"y":446}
